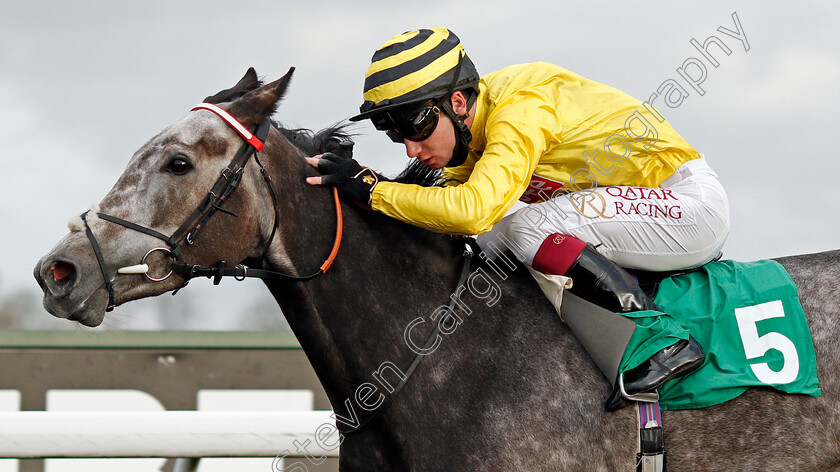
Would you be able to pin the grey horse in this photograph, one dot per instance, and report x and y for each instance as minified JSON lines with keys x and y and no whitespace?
{"x":507,"y":387}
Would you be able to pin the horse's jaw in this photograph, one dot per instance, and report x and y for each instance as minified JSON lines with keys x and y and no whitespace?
{"x":89,"y":311}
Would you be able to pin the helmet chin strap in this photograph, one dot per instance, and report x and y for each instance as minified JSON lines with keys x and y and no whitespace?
{"x":463,"y":136}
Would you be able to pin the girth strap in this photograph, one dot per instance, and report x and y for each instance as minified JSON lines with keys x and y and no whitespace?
{"x":651,"y":455}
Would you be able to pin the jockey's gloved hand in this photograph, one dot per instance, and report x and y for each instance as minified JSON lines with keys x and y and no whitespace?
{"x":352,"y":179}
{"x":340,"y":145}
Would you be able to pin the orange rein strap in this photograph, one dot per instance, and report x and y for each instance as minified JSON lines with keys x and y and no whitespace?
{"x":338,"y":231}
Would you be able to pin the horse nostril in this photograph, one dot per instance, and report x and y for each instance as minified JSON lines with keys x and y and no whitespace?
{"x":36,"y":272}
{"x":57,"y":277}
{"x":63,"y":273}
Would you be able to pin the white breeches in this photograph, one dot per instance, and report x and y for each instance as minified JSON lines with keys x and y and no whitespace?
{"x":681,"y":224}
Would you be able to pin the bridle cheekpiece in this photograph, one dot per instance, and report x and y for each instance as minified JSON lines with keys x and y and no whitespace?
{"x":187,"y":233}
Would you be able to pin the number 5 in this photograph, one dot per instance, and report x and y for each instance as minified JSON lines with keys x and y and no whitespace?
{"x":757,"y":346}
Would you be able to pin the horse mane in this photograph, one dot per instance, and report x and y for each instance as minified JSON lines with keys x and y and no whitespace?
{"x":310,"y":143}
{"x":330,"y":140}
{"x":417,"y":173}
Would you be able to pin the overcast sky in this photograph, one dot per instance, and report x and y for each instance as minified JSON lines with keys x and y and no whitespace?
{"x":83,"y":85}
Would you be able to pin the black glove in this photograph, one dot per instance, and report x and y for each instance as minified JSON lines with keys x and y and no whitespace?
{"x":351,"y":179}
{"x":342,"y":146}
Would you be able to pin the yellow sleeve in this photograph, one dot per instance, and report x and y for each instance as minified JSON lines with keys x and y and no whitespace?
{"x":458,"y":175}
{"x":517,"y":134}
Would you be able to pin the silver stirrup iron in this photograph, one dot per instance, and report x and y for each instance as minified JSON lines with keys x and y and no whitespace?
{"x":648,"y":397}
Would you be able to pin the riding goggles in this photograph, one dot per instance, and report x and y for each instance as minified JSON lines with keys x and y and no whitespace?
{"x":414,"y":124}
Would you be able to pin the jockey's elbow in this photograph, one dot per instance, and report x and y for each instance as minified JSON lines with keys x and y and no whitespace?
{"x":470,"y":225}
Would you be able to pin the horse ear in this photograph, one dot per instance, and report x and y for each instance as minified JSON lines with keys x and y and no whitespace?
{"x":246,"y":84}
{"x":259,"y":104}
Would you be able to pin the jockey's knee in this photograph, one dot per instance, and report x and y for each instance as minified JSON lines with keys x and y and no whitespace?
{"x":524,"y":231}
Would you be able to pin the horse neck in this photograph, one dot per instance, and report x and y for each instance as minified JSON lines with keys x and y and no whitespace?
{"x":351,"y":319}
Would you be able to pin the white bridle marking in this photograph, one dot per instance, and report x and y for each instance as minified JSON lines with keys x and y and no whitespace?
{"x":233,"y":122}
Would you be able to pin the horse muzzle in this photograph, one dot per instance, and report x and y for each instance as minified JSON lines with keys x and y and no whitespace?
{"x":68,"y":292}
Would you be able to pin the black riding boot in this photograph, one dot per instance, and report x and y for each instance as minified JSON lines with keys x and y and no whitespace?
{"x":601,"y":281}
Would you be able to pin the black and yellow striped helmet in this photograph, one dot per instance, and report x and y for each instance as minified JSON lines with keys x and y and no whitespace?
{"x":413,"y":67}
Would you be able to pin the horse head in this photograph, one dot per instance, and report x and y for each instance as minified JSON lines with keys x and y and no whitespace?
{"x":165,"y":184}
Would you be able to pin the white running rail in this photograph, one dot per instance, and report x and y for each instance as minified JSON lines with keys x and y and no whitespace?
{"x":44,"y":434}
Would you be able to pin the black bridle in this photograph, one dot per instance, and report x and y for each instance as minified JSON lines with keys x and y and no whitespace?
{"x":189,"y":230}
{"x":224,"y":186}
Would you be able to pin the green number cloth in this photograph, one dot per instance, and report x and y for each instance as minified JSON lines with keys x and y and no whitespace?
{"x":747,"y":317}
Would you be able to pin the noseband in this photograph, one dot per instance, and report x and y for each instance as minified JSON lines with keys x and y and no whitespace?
{"x":212,"y":203}
{"x":189,"y":230}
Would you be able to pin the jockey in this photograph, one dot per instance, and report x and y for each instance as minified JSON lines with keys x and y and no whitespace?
{"x":596,"y":167}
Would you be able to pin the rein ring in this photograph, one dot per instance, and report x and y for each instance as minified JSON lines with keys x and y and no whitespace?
{"x":143,"y":261}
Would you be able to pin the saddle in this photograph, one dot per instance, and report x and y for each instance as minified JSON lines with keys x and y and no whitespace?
{"x":649,"y":280}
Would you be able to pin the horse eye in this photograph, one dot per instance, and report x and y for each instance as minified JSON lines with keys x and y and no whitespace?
{"x":178,"y":166}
